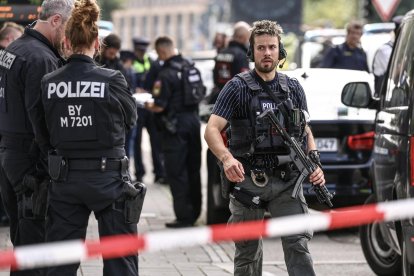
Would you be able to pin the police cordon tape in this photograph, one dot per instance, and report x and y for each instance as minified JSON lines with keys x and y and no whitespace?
{"x":59,"y":253}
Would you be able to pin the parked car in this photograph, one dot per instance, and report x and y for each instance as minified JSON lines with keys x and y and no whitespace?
{"x":343,"y":135}
{"x":388,"y":247}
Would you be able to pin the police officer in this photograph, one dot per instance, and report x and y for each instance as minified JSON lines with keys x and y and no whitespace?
{"x":348,"y":55}
{"x":232,"y":59}
{"x":143,"y":66}
{"x":108,"y":57}
{"x":253,"y":161}
{"x":180,"y":136}
{"x":8,"y":33}
{"x":88,"y":110}
{"x":22,"y":65}
{"x":382,"y":56}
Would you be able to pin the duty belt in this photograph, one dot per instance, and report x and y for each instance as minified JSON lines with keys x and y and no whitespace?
{"x":102,"y":164}
{"x":260,"y":176}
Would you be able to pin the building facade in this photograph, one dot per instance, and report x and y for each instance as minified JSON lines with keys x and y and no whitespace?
{"x":182,"y":20}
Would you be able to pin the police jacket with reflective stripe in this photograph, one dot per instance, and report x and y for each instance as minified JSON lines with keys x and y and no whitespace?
{"x":22,"y":66}
{"x":88,"y":109}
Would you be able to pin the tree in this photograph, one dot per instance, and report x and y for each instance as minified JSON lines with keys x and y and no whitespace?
{"x":107,"y":6}
{"x":328,"y":13}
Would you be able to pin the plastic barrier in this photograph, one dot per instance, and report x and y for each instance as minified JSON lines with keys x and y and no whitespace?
{"x":115,"y":246}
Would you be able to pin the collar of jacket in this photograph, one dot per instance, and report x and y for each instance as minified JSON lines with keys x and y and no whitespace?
{"x":233,"y":43}
{"x":37,"y":35}
{"x":80,"y":58}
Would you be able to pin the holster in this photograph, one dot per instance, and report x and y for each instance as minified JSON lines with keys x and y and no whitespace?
{"x":134,"y":194}
{"x":248,"y":199}
{"x":58,"y":167}
{"x":226,"y":185}
{"x":34,"y":202}
{"x":134,"y":200}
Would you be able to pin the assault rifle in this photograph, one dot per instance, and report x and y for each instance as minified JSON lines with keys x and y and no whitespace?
{"x":302,"y":162}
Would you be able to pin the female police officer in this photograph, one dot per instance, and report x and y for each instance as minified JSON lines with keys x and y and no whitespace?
{"x":88,"y":109}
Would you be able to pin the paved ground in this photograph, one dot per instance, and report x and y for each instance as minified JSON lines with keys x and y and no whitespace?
{"x":336,"y":253}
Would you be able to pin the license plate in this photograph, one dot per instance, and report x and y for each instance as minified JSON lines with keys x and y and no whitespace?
{"x":326,"y":144}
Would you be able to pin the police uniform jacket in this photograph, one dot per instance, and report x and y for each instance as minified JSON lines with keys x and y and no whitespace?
{"x":168,"y":91}
{"x":88,"y":109}
{"x":229,"y":62}
{"x":344,"y":57}
{"x":22,"y":65}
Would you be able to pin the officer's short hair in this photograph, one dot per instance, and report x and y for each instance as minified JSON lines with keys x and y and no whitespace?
{"x":263,"y":27}
{"x":8,"y":28}
{"x":111,"y":41}
{"x":164,"y":41}
{"x":52,"y":7}
{"x":354,"y":25}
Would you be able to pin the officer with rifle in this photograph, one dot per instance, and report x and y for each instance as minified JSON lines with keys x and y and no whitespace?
{"x":88,"y":109}
{"x":261,"y":161}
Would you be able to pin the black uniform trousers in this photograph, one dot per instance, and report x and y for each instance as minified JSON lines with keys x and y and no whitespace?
{"x":15,"y":163}
{"x":182,"y":154}
{"x":146,"y":119}
{"x":71,"y":203}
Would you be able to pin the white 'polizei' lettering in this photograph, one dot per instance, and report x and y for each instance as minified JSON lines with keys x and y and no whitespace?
{"x":268,"y":105}
{"x":6,"y":59}
{"x":82,"y":89}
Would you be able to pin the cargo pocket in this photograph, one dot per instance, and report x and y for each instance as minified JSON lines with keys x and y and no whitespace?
{"x":301,"y":198}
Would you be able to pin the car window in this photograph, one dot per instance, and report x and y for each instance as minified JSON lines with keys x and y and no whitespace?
{"x":401,"y":71}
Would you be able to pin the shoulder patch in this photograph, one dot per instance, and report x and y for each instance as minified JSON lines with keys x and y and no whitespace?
{"x":156,"y":89}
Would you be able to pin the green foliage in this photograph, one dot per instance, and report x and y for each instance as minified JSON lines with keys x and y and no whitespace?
{"x":328,"y":13}
{"x":107,"y":6}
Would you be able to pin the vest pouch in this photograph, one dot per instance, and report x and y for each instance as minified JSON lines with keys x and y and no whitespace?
{"x":58,"y":167}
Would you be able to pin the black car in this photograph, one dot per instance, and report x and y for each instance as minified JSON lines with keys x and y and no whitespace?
{"x":344,"y":137}
{"x":388,"y":247}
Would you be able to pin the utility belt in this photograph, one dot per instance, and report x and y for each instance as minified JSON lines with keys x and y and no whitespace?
{"x":260,"y":176}
{"x":60,"y":165}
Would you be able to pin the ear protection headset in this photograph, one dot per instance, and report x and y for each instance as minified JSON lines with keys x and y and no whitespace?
{"x":282,"y":52}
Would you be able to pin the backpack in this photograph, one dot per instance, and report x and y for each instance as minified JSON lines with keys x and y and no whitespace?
{"x":192,"y":83}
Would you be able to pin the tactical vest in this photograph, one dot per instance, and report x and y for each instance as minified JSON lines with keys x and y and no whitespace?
{"x":81,"y":113}
{"x":252,"y":137}
{"x":141,"y":68}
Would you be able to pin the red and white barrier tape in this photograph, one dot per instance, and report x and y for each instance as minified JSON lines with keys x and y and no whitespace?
{"x":59,"y":253}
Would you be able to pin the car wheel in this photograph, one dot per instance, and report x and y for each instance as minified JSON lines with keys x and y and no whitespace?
{"x":382,"y":259}
{"x":407,"y":268}
{"x":217,"y":207}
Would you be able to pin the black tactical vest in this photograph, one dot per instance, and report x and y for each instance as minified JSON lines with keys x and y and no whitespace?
{"x":251,"y":137}
{"x":82,"y":113}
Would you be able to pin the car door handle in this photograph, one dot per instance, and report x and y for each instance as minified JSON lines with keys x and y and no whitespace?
{"x":379,"y":121}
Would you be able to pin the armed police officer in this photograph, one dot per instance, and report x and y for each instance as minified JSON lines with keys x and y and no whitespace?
{"x":256,"y":158}
{"x":22,"y":65}
{"x":88,"y":109}
{"x":177,"y":117}
{"x":232,"y":59}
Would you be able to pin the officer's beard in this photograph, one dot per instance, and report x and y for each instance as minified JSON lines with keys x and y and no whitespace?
{"x":58,"y":40}
{"x":265,"y":69}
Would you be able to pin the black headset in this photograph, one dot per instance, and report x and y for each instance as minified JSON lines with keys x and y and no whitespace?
{"x":282,"y":52}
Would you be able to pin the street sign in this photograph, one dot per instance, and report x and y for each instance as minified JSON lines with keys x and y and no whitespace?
{"x":385,"y":8}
